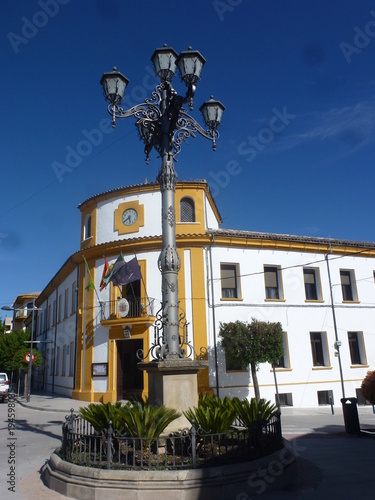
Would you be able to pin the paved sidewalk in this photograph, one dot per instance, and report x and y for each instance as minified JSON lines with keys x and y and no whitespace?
{"x":331,"y":463}
{"x":47,"y":401}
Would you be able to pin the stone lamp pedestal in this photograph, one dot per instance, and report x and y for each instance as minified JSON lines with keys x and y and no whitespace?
{"x":174,"y":384}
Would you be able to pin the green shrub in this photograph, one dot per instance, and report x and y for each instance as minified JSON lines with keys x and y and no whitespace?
{"x":146,"y":420}
{"x":99,"y":415}
{"x":249,"y":411}
{"x":138,"y":419}
{"x":213,"y":415}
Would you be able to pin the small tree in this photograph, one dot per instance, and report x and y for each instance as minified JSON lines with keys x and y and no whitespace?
{"x":251,"y":344}
{"x":368,"y":387}
{"x":13,"y":348}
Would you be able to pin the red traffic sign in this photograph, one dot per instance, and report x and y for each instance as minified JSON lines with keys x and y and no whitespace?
{"x":27,"y":358}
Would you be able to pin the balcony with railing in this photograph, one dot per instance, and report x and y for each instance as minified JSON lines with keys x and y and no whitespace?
{"x":123,"y":311}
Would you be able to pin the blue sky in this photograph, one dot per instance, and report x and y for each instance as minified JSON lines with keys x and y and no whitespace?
{"x":296,"y":152}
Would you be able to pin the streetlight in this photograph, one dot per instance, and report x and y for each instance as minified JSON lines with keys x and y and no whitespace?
{"x":163,"y":124}
{"x":28,"y":388}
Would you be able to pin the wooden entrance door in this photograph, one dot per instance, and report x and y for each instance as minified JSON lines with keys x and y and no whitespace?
{"x":129,"y":378}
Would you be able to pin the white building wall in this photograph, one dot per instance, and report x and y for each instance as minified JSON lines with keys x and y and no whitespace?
{"x":298,"y":319}
{"x":152,"y":213}
{"x":57,"y":375}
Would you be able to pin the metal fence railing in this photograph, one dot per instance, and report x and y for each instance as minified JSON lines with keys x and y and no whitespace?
{"x":187,"y":449}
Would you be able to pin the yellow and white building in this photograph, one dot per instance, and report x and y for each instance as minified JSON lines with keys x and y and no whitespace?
{"x":91,"y":348}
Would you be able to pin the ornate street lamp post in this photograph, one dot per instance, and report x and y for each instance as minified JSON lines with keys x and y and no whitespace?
{"x":163,"y":124}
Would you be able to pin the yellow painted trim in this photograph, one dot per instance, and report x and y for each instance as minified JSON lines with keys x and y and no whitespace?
{"x":91,"y":211}
{"x":115,"y":333}
{"x":198,"y":292}
{"x":285,"y":384}
{"x":317,"y":368}
{"x":359,"y":366}
{"x":80,"y":329}
{"x":282,"y":370}
{"x":119,"y":226}
{"x":197,"y":195}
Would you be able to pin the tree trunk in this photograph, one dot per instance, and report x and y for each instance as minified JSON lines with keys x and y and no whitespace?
{"x":255,"y":381}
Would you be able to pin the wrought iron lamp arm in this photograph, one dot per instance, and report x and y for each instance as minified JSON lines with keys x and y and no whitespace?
{"x":186,"y":126}
{"x":148,"y":110}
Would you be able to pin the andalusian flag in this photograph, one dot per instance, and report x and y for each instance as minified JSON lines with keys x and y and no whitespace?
{"x":90,"y":285}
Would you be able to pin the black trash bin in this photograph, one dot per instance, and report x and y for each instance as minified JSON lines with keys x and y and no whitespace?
{"x":350,"y":412}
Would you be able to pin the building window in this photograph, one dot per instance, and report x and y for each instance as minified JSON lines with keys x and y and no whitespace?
{"x":319,"y":349}
{"x":74,"y":286}
{"x":49,"y":317}
{"x":187,"y":210}
{"x":63,"y":361}
{"x":233,"y":367}
{"x":229,"y":281}
{"x":272,"y":280}
{"x":54,"y":313}
{"x":325,"y":397}
{"x":357,"y":348}
{"x":360,"y":398}
{"x":312,"y":283}
{"x":51,"y":361}
{"x":60,"y":308}
{"x":285,"y":399}
{"x":71,"y":359}
{"x":66,"y":303}
{"x":284,"y":361}
{"x":87,"y":228}
{"x":349,"y":292}
{"x":45,"y":320}
{"x":57,"y":361}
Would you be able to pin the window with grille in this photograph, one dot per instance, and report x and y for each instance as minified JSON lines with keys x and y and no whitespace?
{"x":187,"y":210}
{"x":285,"y":399}
{"x":325,"y":397}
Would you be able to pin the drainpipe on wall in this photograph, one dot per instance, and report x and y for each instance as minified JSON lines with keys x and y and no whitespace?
{"x":214,"y":317}
{"x":337,"y":342}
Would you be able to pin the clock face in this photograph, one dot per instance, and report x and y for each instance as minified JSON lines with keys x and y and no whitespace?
{"x":129,"y":217}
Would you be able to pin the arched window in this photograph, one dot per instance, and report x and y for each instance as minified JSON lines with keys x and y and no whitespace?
{"x":187,"y":210}
{"x":87,"y":228}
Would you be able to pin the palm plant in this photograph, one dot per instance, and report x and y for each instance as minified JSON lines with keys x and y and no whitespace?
{"x":248,"y":412}
{"x":99,"y":415}
{"x":146,"y":420}
{"x":213,"y":415}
